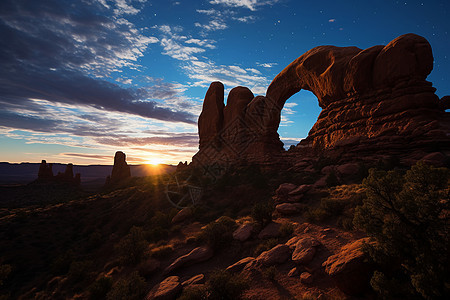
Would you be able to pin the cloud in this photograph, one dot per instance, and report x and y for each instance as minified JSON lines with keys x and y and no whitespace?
{"x":250,"y":4}
{"x":246,"y":19}
{"x":60,"y":53}
{"x":332,"y":20}
{"x":213,"y":25}
{"x":266,"y":65}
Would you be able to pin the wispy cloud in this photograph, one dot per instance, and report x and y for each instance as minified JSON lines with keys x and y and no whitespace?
{"x":62,"y":53}
{"x":250,"y":4}
{"x":266,"y":65}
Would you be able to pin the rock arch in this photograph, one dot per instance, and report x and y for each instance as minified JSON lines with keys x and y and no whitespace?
{"x":373,"y":101}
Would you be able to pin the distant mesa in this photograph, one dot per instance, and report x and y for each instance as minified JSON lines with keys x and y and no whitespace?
{"x":375,"y":103}
{"x":45,"y":175}
{"x":121,"y":170}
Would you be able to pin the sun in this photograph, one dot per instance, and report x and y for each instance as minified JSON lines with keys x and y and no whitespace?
{"x":155,"y":161}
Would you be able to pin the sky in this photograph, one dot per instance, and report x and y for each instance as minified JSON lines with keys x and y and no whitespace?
{"x":82,"y":79}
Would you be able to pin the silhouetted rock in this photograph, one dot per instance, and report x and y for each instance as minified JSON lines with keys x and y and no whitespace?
{"x":374,"y":102}
{"x":45,"y":170}
{"x":45,"y":175}
{"x":120,"y":170}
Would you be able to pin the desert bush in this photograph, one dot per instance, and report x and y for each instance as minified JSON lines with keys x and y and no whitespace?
{"x":332,"y":179}
{"x":286,"y":229}
{"x":265,"y":245}
{"x":4,"y":272}
{"x":132,"y":247}
{"x":61,"y":263}
{"x":270,"y":272}
{"x":408,"y":217}
{"x":100,"y":288}
{"x":131,"y":288}
{"x":223,"y":285}
{"x":262,"y":212}
{"x":78,"y":270}
{"x":194,"y":293}
{"x":218,"y":233}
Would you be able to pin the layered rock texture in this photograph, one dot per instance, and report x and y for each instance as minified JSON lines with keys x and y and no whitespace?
{"x":375,"y":102}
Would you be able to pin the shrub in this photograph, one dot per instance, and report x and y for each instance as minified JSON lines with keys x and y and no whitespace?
{"x":406,"y":214}
{"x":262,"y":212}
{"x":270,"y":273}
{"x":132,"y":247}
{"x":4,"y":272}
{"x":78,"y":270}
{"x":223,"y":285}
{"x":265,"y":245}
{"x":131,"y":288}
{"x":218,"y":233}
{"x":156,"y":234}
{"x":286,"y":229}
{"x":100,"y":288}
{"x":194,"y":293}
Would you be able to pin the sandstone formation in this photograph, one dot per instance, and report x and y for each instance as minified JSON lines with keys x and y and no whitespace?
{"x":45,"y":174}
{"x":244,"y":232}
{"x":349,"y":268}
{"x":120,"y":170}
{"x":197,"y":255}
{"x":167,"y":289}
{"x":277,"y":255}
{"x":375,"y":103}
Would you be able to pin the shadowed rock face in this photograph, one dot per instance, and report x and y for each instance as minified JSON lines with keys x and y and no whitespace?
{"x":120,"y":170}
{"x":375,"y":102}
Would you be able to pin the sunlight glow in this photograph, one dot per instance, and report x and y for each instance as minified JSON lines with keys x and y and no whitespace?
{"x":155,"y":161}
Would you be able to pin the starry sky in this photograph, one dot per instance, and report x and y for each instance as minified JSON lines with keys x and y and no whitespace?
{"x":81,"y":79}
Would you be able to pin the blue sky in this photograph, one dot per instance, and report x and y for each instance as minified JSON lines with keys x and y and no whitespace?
{"x":82,"y":79}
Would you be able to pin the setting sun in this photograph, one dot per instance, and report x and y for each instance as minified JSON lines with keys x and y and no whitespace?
{"x":155,"y":161}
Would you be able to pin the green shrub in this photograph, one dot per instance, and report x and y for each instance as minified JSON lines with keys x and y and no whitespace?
{"x":100,"y":288}
{"x":406,"y":214}
{"x":262,"y":212}
{"x":133,"y":246}
{"x":286,"y":229}
{"x":218,"y":233}
{"x":265,"y":245}
{"x":131,"y":288}
{"x":223,"y":285}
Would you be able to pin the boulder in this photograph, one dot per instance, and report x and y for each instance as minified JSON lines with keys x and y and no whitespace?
{"x":238,"y":266}
{"x":306,"y":278}
{"x":182,"y":215}
{"x":305,"y":249}
{"x":277,"y":255}
{"x":243,"y":232}
{"x":167,"y":289}
{"x":348,"y":169}
{"x":349,"y":268}
{"x":300,"y":190}
{"x":293,"y":272}
{"x":436,"y":159}
{"x":289,"y":208}
{"x":272,"y":230}
{"x":197,"y":279}
{"x":197,"y":255}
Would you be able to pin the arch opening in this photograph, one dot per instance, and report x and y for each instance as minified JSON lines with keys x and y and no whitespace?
{"x":298,"y":116}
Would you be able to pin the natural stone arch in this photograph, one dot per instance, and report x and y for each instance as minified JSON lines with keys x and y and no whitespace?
{"x":367,"y":97}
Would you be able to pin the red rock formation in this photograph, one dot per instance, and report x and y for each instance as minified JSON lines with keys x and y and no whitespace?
{"x":375,"y":102}
{"x":45,"y":174}
{"x":120,"y":170}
